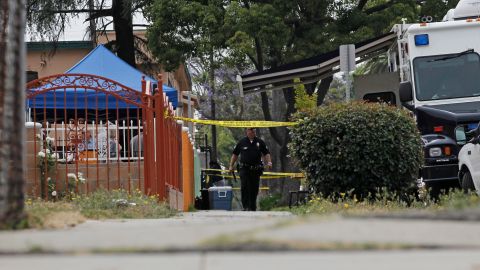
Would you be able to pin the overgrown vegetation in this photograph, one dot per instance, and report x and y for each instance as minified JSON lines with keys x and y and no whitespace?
{"x":357,"y":147}
{"x":120,"y":204}
{"x":385,"y":203}
{"x":51,"y":215}
{"x":269,"y":202}
{"x":98,"y":205}
{"x":304,"y":101}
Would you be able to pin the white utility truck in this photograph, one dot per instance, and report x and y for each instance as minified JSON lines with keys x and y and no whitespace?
{"x":439,"y":68}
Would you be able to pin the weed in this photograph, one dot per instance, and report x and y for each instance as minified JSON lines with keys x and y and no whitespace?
{"x":346,"y":203}
{"x":100,"y":204}
{"x":121,"y":204}
{"x":269,"y":202}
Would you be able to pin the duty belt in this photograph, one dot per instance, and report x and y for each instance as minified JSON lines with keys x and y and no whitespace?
{"x":257,"y":167}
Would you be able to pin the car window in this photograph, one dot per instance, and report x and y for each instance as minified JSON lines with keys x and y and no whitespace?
{"x":461,"y":135}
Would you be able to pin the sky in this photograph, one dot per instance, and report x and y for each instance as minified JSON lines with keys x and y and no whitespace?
{"x":77,"y":29}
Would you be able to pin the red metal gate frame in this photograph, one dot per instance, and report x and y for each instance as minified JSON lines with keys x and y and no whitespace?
{"x":120,"y":92}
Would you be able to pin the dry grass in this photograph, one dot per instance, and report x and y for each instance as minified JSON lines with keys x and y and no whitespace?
{"x":52,"y":215}
{"x":98,"y":205}
{"x":63,"y":219}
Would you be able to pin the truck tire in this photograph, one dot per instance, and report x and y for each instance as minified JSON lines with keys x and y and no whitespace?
{"x":467,"y":182}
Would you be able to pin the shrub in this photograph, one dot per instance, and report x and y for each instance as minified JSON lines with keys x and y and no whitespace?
{"x":359,"y":146}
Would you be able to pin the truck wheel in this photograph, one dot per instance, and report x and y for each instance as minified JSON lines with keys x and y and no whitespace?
{"x":467,"y":182}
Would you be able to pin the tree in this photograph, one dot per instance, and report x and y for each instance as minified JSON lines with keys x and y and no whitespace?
{"x":12,"y":81}
{"x":49,"y":18}
{"x":183,"y":30}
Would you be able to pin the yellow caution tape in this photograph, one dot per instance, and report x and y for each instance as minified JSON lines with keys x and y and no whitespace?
{"x":261,"y":177}
{"x":240,"y":124}
{"x":261,"y":188}
{"x":291,"y":175}
{"x":266,"y":175}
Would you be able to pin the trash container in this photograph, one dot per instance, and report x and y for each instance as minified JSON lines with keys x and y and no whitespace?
{"x":220,"y":198}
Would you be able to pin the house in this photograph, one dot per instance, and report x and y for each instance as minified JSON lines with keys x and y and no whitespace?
{"x":48,"y":58}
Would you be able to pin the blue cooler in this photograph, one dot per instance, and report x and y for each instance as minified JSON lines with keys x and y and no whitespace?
{"x":220,"y":198}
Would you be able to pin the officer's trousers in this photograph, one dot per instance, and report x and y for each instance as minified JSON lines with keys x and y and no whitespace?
{"x":250,"y":181}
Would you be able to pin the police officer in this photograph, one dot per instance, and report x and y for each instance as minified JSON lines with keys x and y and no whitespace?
{"x":250,"y":149}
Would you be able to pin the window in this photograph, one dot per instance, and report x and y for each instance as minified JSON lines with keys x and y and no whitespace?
{"x":447,"y":76}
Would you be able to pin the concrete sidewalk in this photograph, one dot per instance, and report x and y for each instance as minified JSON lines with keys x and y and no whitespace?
{"x":187,"y":231}
{"x":189,"y":240}
{"x":224,"y":230}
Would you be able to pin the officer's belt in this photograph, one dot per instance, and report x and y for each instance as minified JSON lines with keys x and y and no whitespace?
{"x":250,"y":167}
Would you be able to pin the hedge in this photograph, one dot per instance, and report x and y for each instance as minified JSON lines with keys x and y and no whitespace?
{"x":357,"y":146}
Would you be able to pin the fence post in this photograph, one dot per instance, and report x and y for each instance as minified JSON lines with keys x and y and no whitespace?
{"x":146,"y":133}
{"x":179,"y":159}
{"x":160,"y":146}
{"x":187,"y":170}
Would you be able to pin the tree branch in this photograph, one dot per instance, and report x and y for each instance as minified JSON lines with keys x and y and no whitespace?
{"x":67,"y":11}
{"x":258,"y":48}
{"x":100,"y":13}
{"x":323,"y":89}
{"x":361,"y":4}
{"x":380,"y":7}
{"x":386,"y":5}
{"x":254,"y":61}
{"x":97,"y":13}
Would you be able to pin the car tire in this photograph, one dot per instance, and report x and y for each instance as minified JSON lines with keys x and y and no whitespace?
{"x":467,"y":182}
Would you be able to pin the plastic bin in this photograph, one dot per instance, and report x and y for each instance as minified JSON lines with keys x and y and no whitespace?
{"x":220,"y":198}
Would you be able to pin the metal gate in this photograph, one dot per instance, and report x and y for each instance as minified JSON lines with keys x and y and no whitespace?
{"x":86,"y":132}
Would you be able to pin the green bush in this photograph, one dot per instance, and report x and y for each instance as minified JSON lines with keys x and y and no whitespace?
{"x":357,"y":146}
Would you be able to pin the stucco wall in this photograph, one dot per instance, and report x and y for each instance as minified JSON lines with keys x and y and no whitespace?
{"x":58,"y":63}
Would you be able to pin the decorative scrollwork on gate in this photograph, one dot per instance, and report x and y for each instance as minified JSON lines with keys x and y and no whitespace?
{"x":84,"y":81}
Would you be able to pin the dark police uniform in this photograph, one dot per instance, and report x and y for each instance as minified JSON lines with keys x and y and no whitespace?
{"x":250,"y":169}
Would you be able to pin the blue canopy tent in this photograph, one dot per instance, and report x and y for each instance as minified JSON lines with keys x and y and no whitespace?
{"x":101,"y":62}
